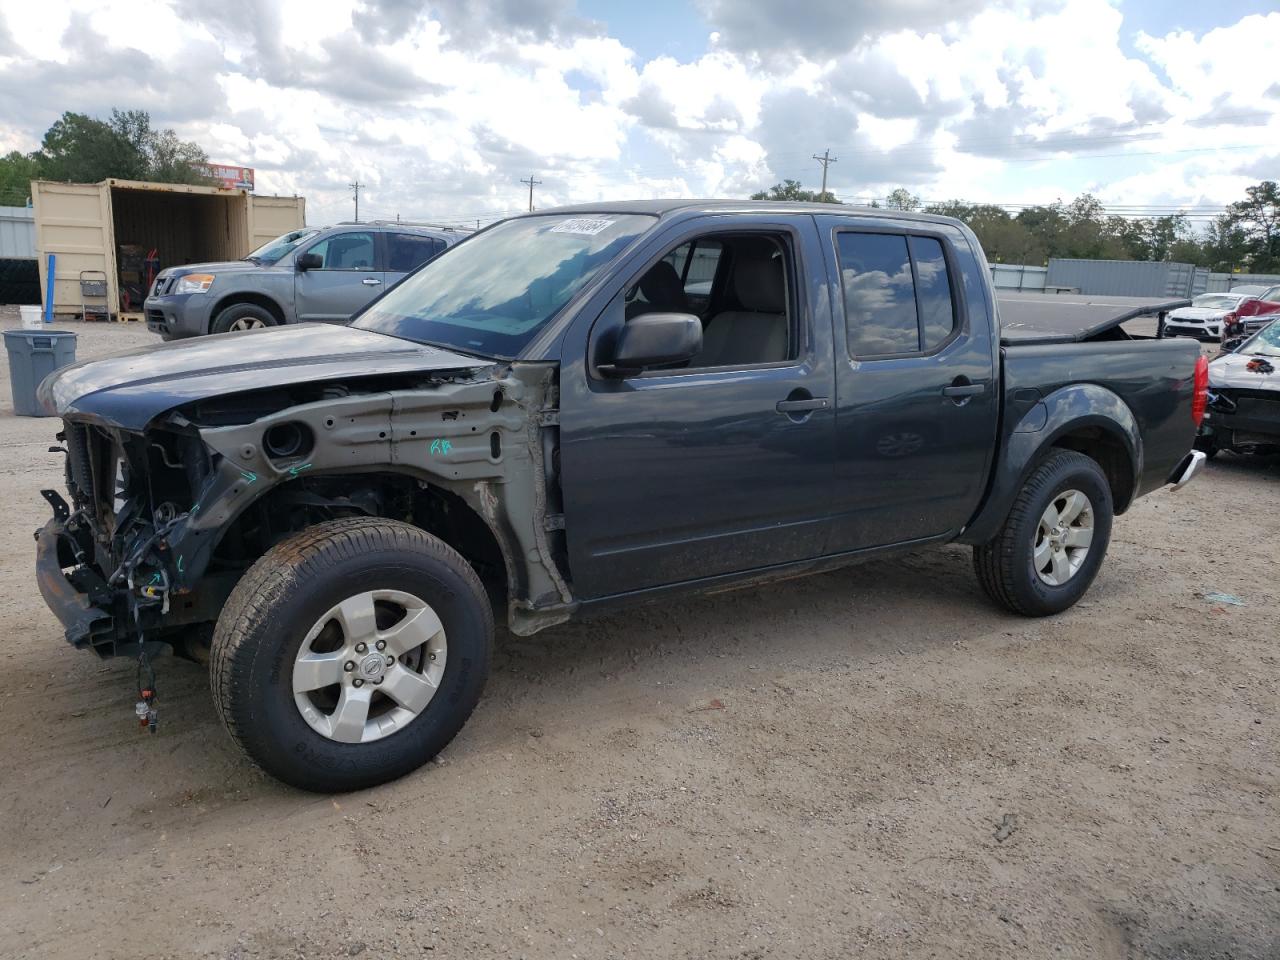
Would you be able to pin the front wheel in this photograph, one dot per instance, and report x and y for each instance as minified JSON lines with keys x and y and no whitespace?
{"x":1052,"y":543}
{"x":242,"y":316}
{"x":351,"y":654}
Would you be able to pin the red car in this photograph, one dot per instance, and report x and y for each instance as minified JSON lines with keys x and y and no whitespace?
{"x":1254,"y":313}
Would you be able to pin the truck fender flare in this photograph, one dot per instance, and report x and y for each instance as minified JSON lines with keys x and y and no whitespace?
{"x":1045,"y":424}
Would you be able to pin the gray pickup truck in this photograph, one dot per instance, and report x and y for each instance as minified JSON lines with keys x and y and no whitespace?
{"x":308,"y":274}
{"x":563,"y":415}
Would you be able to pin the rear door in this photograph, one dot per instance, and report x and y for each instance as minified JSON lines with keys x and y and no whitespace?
{"x":712,"y":468}
{"x":349,"y":277}
{"x":916,"y":403}
{"x":406,"y":252}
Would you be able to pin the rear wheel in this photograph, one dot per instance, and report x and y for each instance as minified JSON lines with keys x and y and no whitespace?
{"x":1052,"y":543}
{"x":351,"y":654}
{"x":242,"y":316}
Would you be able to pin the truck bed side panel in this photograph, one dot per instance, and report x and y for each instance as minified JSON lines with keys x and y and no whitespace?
{"x":1138,"y":390}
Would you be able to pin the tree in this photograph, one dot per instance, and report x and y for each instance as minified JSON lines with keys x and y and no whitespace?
{"x":84,"y":149}
{"x":902,"y":199}
{"x":17,"y":170}
{"x":1258,"y":218}
{"x":791,"y":190}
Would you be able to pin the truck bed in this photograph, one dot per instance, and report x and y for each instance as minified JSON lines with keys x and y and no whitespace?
{"x":1065,"y":318}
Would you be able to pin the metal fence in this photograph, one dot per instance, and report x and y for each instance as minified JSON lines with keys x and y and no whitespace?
{"x":17,"y":233}
{"x":1222,"y":282}
{"x":1018,"y":276}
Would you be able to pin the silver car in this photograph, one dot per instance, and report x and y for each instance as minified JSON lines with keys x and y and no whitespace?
{"x":312,"y":273}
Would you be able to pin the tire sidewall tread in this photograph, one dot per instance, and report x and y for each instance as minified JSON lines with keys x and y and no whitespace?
{"x":1003,"y":565}
{"x":283,"y":594}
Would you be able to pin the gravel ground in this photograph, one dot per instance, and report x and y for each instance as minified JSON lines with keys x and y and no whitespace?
{"x":873,"y":763}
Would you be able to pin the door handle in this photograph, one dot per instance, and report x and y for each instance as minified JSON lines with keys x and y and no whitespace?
{"x":371,"y":281}
{"x":801,"y":406}
{"x":964,"y":389}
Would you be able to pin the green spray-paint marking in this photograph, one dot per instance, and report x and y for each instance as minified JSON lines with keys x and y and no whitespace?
{"x":440,"y":447}
{"x":155,"y":578}
{"x":294,"y":471}
{"x":249,"y":476}
{"x":179,"y":564}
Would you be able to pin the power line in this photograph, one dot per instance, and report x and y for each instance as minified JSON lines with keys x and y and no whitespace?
{"x":532,"y":183}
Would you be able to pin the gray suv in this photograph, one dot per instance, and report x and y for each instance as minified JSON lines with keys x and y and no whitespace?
{"x":308,"y":274}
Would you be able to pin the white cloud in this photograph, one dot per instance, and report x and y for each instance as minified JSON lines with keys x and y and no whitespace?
{"x":441,"y":109}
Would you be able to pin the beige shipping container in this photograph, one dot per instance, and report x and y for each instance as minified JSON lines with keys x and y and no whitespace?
{"x":84,"y":224}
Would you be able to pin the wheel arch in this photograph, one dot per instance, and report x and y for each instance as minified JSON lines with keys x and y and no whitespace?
{"x":1084,"y":417}
{"x":247,"y":296}
{"x":433,"y":507}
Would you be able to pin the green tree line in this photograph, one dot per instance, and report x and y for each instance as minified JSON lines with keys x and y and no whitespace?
{"x":1245,"y":237}
{"x":83,"y":149}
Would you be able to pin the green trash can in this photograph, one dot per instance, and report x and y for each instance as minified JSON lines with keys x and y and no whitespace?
{"x":33,"y":355}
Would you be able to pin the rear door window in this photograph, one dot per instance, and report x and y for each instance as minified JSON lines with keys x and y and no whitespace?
{"x":897,"y":294}
{"x":406,"y":251}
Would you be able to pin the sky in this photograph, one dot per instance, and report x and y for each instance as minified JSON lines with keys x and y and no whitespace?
{"x":440,"y":109}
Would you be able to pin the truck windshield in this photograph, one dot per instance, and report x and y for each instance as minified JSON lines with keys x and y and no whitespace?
{"x":491,"y":294}
{"x":277,"y":248}
{"x":1265,"y":343}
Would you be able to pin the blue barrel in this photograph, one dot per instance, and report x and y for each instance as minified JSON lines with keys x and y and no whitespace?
{"x":33,"y":355}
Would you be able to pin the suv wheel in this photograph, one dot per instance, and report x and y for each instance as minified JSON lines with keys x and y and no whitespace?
{"x":242,"y":316}
{"x":351,"y":653}
{"x":1052,"y":543}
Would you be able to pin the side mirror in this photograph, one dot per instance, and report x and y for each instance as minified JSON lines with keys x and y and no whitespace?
{"x":308,"y":261}
{"x":655,"y":340}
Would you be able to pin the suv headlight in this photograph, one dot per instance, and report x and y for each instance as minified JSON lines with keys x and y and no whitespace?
{"x":194,"y":283}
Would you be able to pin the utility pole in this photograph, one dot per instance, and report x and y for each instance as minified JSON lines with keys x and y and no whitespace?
{"x":355,"y":186}
{"x":532,"y":183}
{"x":826,"y":160}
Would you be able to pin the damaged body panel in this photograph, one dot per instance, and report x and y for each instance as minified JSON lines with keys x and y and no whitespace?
{"x":156,"y":492}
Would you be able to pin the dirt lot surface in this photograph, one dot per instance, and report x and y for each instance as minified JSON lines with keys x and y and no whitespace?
{"x":871,"y":763}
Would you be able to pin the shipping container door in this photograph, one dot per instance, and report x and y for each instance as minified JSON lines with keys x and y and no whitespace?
{"x":73,"y":222}
{"x":269,"y":217}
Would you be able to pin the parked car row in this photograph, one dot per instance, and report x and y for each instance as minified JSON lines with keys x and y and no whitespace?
{"x":1216,"y":316}
{"x":323,"y":274}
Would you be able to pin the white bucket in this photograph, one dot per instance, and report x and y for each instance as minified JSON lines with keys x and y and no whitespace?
{"x":31,"y":319}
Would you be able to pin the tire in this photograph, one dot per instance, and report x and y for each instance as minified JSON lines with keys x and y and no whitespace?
{"x":1006,"y":565}
{"x":285,"y":597}
{"x":242,"y":316}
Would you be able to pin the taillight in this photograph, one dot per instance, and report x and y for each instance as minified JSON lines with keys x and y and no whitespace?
{"x":1200,"y":394}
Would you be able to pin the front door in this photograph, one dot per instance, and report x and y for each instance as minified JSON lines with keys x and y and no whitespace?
{"x":721,"y":465}
{"x":349,"y":277}
{"x":915,"y":386}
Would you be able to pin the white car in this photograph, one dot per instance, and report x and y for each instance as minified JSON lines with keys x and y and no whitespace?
{"x":1206,"y":316}
{"x":1243,"y":412}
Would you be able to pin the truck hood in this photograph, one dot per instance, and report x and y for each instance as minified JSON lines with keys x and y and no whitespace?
{"x":224,"y":266}
{"x":129,"y":390}
{"x":1232,"y":372}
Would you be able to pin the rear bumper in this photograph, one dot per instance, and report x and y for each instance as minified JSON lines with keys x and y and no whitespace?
{"x":1187,"y":469}
{"x":83,"y":622}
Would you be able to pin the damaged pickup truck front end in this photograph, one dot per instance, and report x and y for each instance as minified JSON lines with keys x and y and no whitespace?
{"x":176,"y":486}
